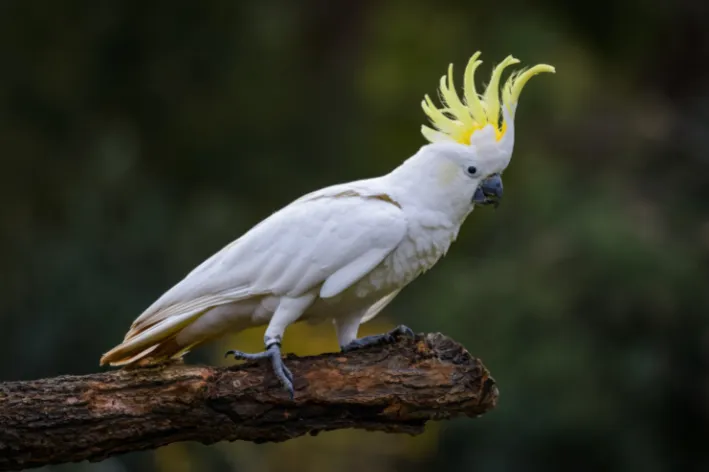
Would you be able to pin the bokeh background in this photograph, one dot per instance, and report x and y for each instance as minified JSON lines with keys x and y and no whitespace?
{"x":139,"y":137}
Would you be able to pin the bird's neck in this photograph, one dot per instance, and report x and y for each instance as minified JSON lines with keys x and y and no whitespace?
{"x":424,"y":201}
{"x":434,"y":219}
{"x":429,"y":237}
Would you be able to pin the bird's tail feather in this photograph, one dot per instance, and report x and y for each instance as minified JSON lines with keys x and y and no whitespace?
{"x":152,"y":344}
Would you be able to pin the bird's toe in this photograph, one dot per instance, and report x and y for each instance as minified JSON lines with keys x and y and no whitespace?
{"x":402,"y":330}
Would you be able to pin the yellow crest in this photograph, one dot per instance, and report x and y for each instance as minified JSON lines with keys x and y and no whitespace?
{"x":459,"y":119}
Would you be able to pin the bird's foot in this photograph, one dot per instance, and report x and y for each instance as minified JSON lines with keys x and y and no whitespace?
{"x":385,"y":338}
{"x":273,"y":351}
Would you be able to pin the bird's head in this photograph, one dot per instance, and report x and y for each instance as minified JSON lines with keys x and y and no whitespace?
{"x":472,"y":137}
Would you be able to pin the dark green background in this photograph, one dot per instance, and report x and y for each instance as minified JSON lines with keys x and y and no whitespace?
{"x":137,"y":138}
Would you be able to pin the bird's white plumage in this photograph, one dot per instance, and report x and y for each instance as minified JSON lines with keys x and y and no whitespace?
{"x":305,"y":244}
{"x":377,"y":307}
{"x":324,"y":242}
{"x":346,"y":251}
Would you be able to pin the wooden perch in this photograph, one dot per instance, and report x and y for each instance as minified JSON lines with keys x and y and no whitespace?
{"x":394,"y":388}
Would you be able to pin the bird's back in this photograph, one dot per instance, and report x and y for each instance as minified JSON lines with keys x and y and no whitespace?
{"x":319,"y":242}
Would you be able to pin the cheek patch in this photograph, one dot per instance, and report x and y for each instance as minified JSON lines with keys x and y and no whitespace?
{"x":447,"y":172}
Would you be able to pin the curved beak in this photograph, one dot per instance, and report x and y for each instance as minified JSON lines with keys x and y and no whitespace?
{"x":489,"y":192}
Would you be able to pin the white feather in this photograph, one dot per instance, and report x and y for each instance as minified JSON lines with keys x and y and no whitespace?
{"x":345,"y":249}
{"x":375,"y":309}
{"x":346,"y":276}
{"x":329,"y":239}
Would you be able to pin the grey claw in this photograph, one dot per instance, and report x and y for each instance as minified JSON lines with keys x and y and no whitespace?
{"x":236,"y":354}
{"x":288,"y":373}
{"x":239,"y":355}
{"x":279,"y":369}
{"x":352,"y":346}
{"x":403,"y":331}
{"x":285,"y":379}
{"x":389,"y":337}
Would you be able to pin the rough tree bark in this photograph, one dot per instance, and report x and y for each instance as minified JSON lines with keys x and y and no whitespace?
{"x":392,"y":388}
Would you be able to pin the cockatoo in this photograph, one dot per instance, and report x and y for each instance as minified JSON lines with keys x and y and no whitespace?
{"x":344,"y":252}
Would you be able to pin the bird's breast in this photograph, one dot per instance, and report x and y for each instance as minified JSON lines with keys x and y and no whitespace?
{"x":418,"y":252}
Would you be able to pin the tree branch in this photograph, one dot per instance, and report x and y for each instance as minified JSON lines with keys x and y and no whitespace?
{"x":394,"y":388}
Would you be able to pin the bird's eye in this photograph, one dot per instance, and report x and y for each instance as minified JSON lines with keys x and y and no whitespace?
{"x":472,"y":170}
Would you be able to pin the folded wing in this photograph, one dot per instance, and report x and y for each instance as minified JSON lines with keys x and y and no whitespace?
{"x":326,"y":242}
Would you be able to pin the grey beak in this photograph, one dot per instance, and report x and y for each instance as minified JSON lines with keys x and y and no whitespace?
{"x":489,"y":192}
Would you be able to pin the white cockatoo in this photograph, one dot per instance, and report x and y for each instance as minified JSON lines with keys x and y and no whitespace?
{"x":344,"y":252}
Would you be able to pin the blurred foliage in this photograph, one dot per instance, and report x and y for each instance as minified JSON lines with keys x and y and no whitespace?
{"x":137,"y":138}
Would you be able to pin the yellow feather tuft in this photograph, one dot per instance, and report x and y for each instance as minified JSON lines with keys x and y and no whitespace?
{"x":457,"y":120}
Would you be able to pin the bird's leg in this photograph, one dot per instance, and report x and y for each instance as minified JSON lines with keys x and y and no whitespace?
{"x":273,"y":351}
{"x":384,"y":338}
{"x":288,"y":311}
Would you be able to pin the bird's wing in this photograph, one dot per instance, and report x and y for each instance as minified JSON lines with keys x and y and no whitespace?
{"x":331,"y":240}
